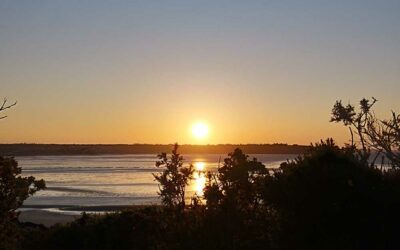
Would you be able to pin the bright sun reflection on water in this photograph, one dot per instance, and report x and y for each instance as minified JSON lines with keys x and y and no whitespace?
{"x":199,"y":183}
{"x":199,"y":178}
{"x":199,"y":166}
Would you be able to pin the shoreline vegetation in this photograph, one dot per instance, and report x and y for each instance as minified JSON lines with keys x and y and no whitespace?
{"x":119,"y":149}
{"x":50,"y":215}
{"x":95,"y":208}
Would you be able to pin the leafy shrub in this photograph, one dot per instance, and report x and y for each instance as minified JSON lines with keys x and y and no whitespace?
{"x":174,"y":179}
{"x":236,"y":185}
{"x":326,"y":199}
{"x":14,"y":190}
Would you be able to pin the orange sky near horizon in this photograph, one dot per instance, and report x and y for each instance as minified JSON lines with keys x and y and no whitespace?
{"x":120,"y":129}
{"x":144,"y":71}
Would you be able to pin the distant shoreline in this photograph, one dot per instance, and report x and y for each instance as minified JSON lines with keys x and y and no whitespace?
{"x":120,"y":149}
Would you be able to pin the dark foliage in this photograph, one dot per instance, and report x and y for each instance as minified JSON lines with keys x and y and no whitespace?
{"x":381,"y":136}
{"x":14,"y":190}
{"x":142,"y":228}
{"x":174,"y":179}
{"x":326,"y":199}
{"x":237,"y":183}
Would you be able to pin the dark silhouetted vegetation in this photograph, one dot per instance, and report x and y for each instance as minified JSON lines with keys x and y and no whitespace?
{"x":237,"y":183}
{"x":327,"y":199}
{"x":381,"y":136}
{"x":174,"y":179}
{"x":14,"y":190}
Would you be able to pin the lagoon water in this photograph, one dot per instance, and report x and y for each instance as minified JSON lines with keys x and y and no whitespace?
{"x":108,"y":180}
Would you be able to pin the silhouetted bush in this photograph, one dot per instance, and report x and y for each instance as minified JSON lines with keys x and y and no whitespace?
{"x":238,"y":180}
{"x":14,"y":190}
{"x":173,"y":179}
{"x":326,"y":199}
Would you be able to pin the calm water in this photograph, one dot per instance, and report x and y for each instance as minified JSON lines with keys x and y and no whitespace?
{"x":112,"y":179}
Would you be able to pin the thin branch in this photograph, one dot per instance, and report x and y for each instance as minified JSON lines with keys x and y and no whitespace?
{"x":375,"y":158}
{"x":352,"y":137}
{"x":4,"y":106}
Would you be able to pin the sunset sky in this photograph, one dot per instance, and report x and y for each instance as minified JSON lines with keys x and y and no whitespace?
{"x":146,"y":71}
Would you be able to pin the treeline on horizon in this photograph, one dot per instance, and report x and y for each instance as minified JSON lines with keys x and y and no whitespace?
{"x":100,"y":149}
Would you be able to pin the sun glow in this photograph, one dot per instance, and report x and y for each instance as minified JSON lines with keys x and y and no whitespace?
{"x":199,"y":166}
{"x":200,"y":130}
{"x":199,"y":182}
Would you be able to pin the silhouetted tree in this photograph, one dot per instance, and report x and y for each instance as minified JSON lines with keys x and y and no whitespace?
{"x":174,"y":179}
{"x":14,"y":190}
{"x":235,"y":208}
{"x":381,"y":136}
{"x":212,"y":191}
{"x":237,"y":182}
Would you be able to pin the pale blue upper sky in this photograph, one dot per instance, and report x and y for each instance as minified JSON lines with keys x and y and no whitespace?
{"x":143,"y":71}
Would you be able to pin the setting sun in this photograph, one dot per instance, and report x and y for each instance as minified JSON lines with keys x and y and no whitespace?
{"x":200,"y":130}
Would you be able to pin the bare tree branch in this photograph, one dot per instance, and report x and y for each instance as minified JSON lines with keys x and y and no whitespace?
{"x":5,"y":106}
